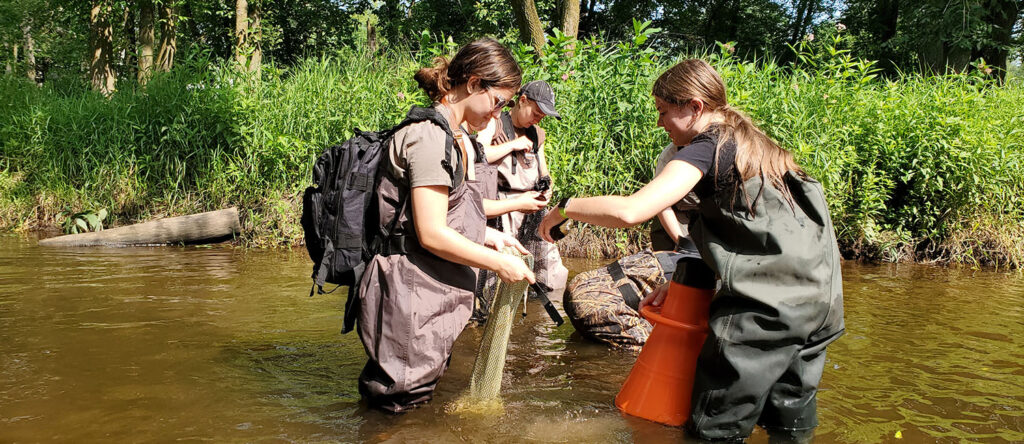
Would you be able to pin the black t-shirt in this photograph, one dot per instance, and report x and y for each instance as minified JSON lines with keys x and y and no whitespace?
{"x":701,"y":154}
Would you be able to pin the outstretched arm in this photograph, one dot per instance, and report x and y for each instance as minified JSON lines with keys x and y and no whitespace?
{"x":667,"y":188}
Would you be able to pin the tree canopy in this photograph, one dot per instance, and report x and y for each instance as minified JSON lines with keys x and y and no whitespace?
{"x":104,"y":41}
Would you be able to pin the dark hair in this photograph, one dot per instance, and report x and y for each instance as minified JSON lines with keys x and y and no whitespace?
{"x":484,"y":58}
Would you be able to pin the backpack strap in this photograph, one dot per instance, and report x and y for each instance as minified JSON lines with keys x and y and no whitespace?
{"x":417,"y":114}
{"x":389,"y":243}
{"x":628,"y":294}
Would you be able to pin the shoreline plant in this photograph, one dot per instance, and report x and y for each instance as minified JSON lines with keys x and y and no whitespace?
{"x":915,"y":167}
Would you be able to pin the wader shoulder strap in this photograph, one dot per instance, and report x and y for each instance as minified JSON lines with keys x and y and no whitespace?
{"x":506,"y":125}
{"x":510,"y":132}
{"x":628,"y":294}
{"x":390,"y":243}
{"x":478,"y":148}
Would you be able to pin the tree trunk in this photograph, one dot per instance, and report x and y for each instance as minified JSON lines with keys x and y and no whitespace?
{"x":100,"y":72}
{"x":128,"y":54}
{"x":193,"y":28}
{"x":241,"y":31}
{"x":571,"y":18}
{"x":147,"y":37}
{"x":7,"y":63}
{"x":589,"y":19}
{"x":798,"y":22}
{"x":14,"y":59}
{"x":255,"y":36}
{"x":30,"y":51}
{"x":371,"y":36}
{"x":888,"y":18}
{"x":714,"y":21}
{"x":1002,"y":15}
{"x":211,"y":226}
{"x":530,"y":30}
{"x":168,"y":37}
{"x":806,"y":26}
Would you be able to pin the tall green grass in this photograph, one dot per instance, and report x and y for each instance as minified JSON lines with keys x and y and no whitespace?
{"x":915,"y":168}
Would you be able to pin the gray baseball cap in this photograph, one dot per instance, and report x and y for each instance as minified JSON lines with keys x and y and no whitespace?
{"x":539,"y":91}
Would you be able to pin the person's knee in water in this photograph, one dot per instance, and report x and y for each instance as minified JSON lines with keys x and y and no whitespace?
{"x":417,"y":292}
{"x":780,"y":304}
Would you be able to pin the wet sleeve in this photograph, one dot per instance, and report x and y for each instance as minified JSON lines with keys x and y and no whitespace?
{"x":424,"y":145}
{"x":700,"y":153}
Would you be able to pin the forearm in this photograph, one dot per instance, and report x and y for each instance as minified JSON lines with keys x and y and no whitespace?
{"x":670,"y":223}
{"x":449,"y":245}
{"x":495,"y":208}
{"x":667,"y":188}
{"x":497,"y":152}
{"x":604,"y":211}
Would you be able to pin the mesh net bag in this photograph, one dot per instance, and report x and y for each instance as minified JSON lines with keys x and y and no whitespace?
{"x":490,"y":359}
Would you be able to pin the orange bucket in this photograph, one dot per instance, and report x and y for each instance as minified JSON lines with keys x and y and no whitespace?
{"x":660,"y":384}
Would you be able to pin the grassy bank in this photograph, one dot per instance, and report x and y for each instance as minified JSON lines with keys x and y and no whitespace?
{"x":915,"y":168}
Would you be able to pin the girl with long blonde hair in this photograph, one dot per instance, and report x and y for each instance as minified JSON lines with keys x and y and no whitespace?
{"x":763,"y":229}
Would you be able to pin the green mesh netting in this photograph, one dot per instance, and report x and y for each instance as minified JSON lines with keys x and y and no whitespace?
{"x":490,"y":359}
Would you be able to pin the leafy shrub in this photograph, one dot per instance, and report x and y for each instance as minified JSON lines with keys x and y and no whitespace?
{"x":913,"y":167}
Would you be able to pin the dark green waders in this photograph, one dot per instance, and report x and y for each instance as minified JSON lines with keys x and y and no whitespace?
{"x":779,"y":304}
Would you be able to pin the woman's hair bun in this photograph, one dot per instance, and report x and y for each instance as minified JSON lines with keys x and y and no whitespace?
{"x":434,"y":80}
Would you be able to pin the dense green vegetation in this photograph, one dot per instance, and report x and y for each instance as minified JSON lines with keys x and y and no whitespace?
{"x":914,"y":167}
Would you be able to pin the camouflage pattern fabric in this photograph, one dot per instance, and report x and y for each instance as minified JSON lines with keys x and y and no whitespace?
{"x":602,"y":303}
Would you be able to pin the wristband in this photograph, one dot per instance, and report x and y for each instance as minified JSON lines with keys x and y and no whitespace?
{"x":561,"y":207}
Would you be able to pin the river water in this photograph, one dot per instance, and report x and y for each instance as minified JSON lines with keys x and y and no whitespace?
{"x":222,"y":344}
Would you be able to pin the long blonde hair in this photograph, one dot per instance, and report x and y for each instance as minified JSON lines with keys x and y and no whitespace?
{"x":756,"y":153}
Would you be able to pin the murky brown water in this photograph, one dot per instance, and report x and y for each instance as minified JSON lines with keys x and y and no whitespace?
{"x":223,"y":345}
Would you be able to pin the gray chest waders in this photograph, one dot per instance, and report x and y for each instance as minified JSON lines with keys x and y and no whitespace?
{"x":415,"y":304}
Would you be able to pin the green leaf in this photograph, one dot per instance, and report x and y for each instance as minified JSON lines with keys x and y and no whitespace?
{"x":92,"y":220}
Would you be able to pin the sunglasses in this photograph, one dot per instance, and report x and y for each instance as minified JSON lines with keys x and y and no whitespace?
{"x":499,"y":101}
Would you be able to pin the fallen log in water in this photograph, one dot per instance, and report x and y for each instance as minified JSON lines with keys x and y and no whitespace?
{"x":191,"y":229}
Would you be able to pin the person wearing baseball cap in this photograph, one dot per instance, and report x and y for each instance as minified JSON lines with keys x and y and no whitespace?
{"x":541,"y":93}
{"x":514,"y":144}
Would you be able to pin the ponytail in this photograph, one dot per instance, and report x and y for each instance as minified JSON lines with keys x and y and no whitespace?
{"x":434,"y":80}
{"x":485,"y":59}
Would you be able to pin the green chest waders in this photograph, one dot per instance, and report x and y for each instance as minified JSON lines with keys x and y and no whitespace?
{"x":778,"y":305}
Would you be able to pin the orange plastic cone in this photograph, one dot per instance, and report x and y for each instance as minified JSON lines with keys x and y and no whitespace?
{"x":659,"y":386}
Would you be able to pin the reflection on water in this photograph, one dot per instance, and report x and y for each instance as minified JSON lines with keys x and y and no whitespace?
{"x":219,"y":344}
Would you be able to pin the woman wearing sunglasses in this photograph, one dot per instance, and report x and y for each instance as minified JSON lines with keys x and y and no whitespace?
{"x":417,"y":295}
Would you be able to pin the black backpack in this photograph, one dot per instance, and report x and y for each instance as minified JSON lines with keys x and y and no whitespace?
{"x":339,"y":214}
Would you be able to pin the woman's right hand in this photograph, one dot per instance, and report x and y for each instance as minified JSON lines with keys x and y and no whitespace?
{"x":655,"y":297}
{"x":531,"y":202}
{"x":513,"y":269}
